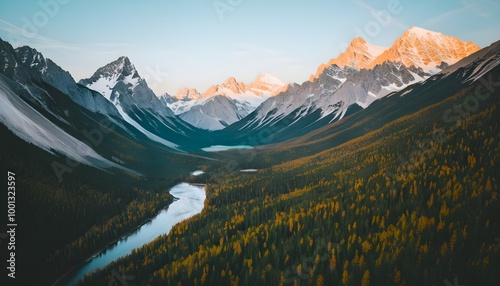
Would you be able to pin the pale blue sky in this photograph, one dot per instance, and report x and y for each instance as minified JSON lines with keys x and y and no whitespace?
{"x":180,"y":43}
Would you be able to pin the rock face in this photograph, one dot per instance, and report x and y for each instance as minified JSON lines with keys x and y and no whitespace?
{"x":120,"y":83}
{"x":265,"y":84}
{"x":25,"y":64}
{"x":230,"y":86}
{"x":359,"y":55}
{"x":187,"y":94}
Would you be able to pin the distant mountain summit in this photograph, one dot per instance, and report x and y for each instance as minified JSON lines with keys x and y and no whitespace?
{"x":360,"y":75}
{"x":426,"y":49}
{"x":119,"y":70}
{"x":235,"y":100}
{"x":187,"y":94}
{"x":228,"y":87}
{"x":264,"y":85}
{"x":359,"y":55}
{"x":120,"y":83}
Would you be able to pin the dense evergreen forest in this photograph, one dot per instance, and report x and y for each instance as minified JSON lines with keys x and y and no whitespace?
{"x":73,"y":219}
{"x":412,"y":203}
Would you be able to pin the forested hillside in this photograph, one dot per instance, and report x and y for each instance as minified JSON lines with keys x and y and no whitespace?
{"x":414,"y":202}
{"x":64,"y":223}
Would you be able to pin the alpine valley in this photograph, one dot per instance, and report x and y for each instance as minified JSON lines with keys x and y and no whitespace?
{"x":381,"y":168}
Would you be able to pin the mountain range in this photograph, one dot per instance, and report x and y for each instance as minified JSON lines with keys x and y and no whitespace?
{"x":223,"y":104}
{"x":359,"y":76}
{"x":365,"y":71}
{"x":416,"y":47}
{"x":99,"y":145}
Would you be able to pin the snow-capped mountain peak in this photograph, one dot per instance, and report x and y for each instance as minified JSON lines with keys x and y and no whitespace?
{"x":33,"y":58}
{"x":426,"y":49}
{"x":230,"y":86}
{"x":358,"y":55}
{"x":122,"y":67}
{"x":266,"y":83}
{"x":120,"y":83}
{"x":421,"y":31}
{"x":187,"y":94}
{"x":106,"y":77}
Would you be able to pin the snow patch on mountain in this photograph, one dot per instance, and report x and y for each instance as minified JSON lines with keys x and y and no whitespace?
{"x":105,"y":85}
{"x":148,"y":134}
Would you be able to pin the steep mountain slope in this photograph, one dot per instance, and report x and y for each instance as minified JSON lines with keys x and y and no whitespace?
{"x":28,"y":124}
{"x":25,"y":63}
{"x":32,"y":113}
{"x":336,"y":92}
{"x":120,"y":83}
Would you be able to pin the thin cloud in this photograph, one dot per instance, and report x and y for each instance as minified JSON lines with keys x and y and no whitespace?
{"x":374,"y":10}
{"x":477,"y":8}
{"x":18,"y":36}
{"x":467,"y":7}
{"x":444,"y":18}
{"x":21,"y":36}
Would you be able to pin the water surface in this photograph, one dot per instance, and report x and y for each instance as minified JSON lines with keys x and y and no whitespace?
{"x":197,"y":173}
{"x":219,"y":148}
{"x":188,"y":202}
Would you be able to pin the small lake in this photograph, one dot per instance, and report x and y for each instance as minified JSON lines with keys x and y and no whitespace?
{"x":249,"y":170}
{"x":188,"y":201}
{"x":197,"y":173}
{"x":219,"y":148}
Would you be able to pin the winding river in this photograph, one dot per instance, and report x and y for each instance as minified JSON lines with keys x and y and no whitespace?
{"x":188,"y":201}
